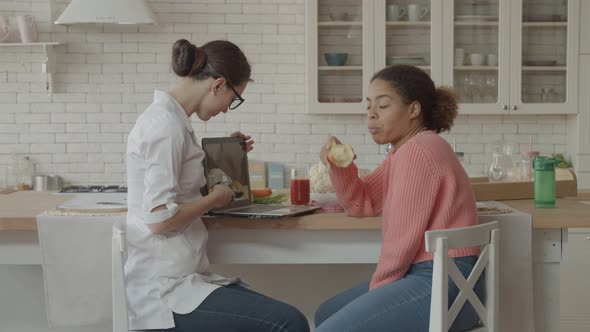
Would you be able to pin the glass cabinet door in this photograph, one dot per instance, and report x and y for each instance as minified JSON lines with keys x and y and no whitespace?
{"x":339,"y":65}
{"x":477,"y":59}
{"x":543,"y":58}
{"x":403,"y":34}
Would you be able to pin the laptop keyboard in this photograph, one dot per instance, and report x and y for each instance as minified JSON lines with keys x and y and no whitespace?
{"x":257,"y":208}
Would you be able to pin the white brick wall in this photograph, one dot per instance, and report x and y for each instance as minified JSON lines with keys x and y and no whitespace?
{"x":106,"y":76}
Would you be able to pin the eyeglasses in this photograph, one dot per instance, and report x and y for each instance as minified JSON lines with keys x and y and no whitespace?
{"x":236,"y":102}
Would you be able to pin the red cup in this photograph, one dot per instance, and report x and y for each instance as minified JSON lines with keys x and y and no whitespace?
{"x":299,"y":187}
{"x":299,"y":191}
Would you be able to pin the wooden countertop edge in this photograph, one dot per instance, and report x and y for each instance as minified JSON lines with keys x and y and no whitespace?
{"x":321,"y":222}
{"x":542,"y":219}
{"x":18,"y":224}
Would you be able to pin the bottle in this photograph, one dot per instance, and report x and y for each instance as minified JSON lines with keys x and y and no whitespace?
{"x":12,"y":171}
{"x":530,"y":155}
{"x":544,"y":182}
{"x":24,"y":178}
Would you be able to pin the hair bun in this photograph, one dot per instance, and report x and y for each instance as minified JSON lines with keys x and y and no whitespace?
{"x":187,"y":59}
{"x":183,"y":57}
{"x":218,"y":58}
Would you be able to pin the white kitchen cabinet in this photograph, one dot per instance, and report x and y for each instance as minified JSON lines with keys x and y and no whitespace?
{"x":579,"y":127}
{"x":535,"y":42}
{"x":585,"y":27}
{"x":575,"y":284}
{"x":362,"y":30}
{"x":527,"y":50}
{"x":344,"y":28}
{"x":583,"y":118}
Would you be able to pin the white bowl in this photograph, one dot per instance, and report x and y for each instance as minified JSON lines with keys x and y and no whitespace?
{"x":323,"y":197}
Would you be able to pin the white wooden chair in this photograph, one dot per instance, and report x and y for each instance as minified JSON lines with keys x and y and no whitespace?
{"x":119,"y":255}
{"x":487,"y":236}
{"x":118,"y":258}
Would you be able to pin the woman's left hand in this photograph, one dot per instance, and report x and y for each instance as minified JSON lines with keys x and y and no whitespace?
{"x":249,"y":142}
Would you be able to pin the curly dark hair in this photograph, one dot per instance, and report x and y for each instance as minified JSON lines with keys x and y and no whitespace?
{"x":439,"y":105}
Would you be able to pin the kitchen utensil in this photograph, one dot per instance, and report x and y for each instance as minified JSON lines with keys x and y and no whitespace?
{"x":8,"y":30}
{"x":336,"y":59}
{"x":477,"y":59}
{"x":492,"y":59}
{"x":40,"y":182}
{"x":47,"y":183}
{"x":459,"y":56}
{"x":395,"y":12}
{"x":416,"y":12}
{"x":25,"y":170}
{"x":54,"y":183}
{"x":27,"y":28}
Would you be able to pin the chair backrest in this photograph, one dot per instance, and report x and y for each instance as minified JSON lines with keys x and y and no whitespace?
{"x":487,"y":236}
{"x":119,"y":254}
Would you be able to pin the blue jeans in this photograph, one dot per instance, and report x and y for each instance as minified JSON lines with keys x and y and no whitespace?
{"x":403,"y":305}
{"x":238,"y":309}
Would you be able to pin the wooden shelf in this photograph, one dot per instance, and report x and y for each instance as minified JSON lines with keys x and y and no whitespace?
{"x":544,"y":24}
{"x":477,"y":68}
{"x":340,"y":24}
{"x":339,"y":68}
{"x":407,"y":24}
{"x":544,"y":68}
{"x":475,"y":24}
{"x":30,"y":44}
{"x":48,"y":66}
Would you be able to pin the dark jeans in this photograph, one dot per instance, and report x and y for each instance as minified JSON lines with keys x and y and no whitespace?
{"x":403,"y":305}
{"x":238,"y":309}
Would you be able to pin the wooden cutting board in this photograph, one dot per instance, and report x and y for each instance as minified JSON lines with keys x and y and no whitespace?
{"x":6,"y":191}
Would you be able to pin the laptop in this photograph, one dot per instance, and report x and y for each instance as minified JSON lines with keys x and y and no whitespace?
{"x":226,"y":162}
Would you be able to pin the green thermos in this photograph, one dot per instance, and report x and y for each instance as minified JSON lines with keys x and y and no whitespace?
{"x":544,"y":182}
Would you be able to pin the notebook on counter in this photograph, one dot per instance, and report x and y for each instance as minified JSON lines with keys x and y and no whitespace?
{"x":226,"y":162}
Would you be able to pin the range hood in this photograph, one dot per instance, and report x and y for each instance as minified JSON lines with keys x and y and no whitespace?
{"x":107,"y":11}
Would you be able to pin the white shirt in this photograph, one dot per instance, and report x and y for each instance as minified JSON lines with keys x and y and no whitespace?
{"x":164,"y":167}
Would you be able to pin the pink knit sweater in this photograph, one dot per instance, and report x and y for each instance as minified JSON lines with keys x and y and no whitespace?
{"x":419,"y":187}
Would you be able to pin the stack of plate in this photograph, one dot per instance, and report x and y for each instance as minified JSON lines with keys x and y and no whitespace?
{"x":405,"y":60}
{"x":475,"y":18}
{"x":540,"y":62}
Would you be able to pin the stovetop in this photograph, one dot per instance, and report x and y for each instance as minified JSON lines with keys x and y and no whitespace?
{"x":94,"y":189}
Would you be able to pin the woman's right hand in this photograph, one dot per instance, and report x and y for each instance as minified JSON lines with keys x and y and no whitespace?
{"x":326,"y":149}
{"x":221,"y":195}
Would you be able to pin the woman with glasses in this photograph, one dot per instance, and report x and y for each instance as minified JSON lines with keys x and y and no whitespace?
{"x":169,"y":284}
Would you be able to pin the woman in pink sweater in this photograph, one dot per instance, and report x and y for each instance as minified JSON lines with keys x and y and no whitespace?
{"x":420,"y":186}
